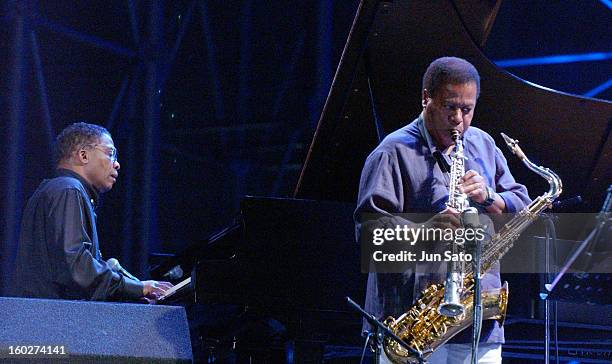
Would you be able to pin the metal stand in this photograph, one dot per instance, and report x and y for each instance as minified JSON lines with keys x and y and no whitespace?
{"x":585,"y":247}
{"x":381,"y":332}
{"x":477,"y":302}
{"x":470,"y":219}
{"x":554,"y":281}
{"x":365,"y":345}
{"x":551,"y":236}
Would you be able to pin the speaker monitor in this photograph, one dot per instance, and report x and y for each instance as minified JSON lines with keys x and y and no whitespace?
{"x":93,"y":331}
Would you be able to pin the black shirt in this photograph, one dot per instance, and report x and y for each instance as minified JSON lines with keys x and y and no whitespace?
{"x":58,"y":254}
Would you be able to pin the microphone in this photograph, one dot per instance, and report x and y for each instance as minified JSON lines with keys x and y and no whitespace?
{"x":174,"y":273}
{"x":115,"y":266}
{"x":470,"y":218}
{"x":568,"y":202}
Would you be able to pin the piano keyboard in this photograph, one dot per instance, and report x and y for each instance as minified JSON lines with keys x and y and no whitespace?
{"x":174,"y":289}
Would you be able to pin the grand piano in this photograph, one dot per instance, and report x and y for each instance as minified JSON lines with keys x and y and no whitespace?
{"x":289,"y":262}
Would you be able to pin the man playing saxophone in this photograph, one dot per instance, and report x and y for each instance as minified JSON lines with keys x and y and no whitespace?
{"x":409,"y":172}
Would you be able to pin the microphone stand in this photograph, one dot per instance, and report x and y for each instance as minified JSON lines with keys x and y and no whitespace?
{"x":470,"y":219}
{"x":477,"y":302}
{"x":381,"y":332}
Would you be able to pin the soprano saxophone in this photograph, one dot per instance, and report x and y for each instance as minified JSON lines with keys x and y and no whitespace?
{"x":422,"y":327}
{"x":451,"y":304}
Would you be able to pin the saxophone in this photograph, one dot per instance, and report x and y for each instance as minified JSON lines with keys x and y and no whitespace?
{"x":422,"y":327}
{"x":451,"y":304}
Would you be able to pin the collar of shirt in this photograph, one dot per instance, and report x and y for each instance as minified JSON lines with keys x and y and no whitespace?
{"x":441,"y":158}
{"x":423,"y":130}
{"x":91,"y":191}
{"x":433,"y":149}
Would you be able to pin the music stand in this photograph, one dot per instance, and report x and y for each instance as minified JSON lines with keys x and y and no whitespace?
{"x":584,"y":286}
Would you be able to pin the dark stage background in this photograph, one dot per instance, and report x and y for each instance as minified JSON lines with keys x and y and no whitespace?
{"x":209,"y":101}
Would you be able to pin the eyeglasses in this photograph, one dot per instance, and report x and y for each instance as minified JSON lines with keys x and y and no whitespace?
{"x":110,"y":152}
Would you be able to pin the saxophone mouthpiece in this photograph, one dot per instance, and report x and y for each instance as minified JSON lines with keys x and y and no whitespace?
{"x":509,"y":141}
{"x":514,"y":147}
{"x":455,"y":135}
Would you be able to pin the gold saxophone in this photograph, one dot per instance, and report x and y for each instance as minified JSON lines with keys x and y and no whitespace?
{"x":422,"y":327}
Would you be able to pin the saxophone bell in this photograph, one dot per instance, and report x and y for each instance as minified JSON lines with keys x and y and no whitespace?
{"x":451,"y":306}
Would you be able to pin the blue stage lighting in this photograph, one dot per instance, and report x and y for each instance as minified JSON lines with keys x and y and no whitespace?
{"x":564,"y":58}
{"x":601,"y":88}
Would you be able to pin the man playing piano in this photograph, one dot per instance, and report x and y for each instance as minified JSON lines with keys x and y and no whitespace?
{"x":409,"y":172}
{"x":58,"y":255}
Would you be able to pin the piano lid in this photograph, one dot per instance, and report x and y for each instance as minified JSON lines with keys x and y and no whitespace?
{"x":377,"y":89}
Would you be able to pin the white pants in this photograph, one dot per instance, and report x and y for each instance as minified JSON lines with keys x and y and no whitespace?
{"x":461,"y":354}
